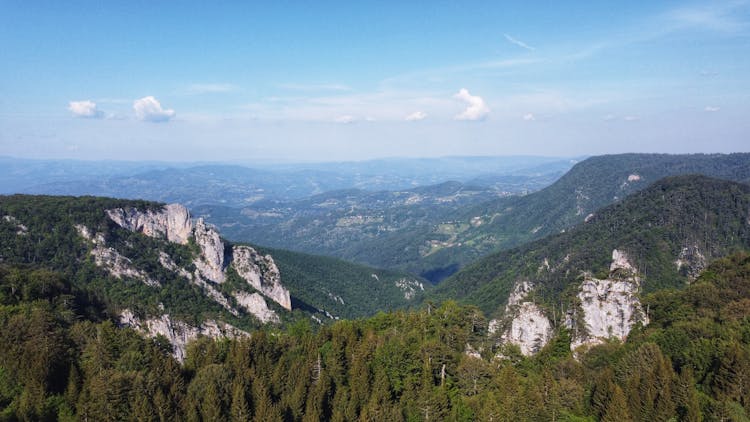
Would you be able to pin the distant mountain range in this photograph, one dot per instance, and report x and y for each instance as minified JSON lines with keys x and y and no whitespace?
{"x":238,"y":185}
{"x":434,"y":231}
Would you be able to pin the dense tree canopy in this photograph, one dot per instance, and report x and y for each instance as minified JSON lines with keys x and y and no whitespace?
{"x":62,"y":359}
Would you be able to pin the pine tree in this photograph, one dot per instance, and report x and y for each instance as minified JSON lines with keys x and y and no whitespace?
{"x":617,"y":408}
{"x":240,"y":411}
{"x":210,"y":405}
{"x":686,"y":397}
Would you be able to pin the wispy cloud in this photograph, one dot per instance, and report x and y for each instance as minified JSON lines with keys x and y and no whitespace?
{"x":212,"y":88}
{"x":712,"y":109}
{"x":476,"y":107}
{"x":314,"y":87}
{"x":85,"y":109}
{"x":437,"y":76}
{"x":708,"y":73}
{"x":416,"y":116}
{"x":519,"y":42}
{"x":382,"y":105}
{"x":150,"y":110}
{"x":714,"y":16}
{"x":347,"y":118}
{"x":529,"y":117}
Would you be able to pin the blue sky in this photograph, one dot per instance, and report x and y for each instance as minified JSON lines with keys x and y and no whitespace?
{"x":293,"y":81}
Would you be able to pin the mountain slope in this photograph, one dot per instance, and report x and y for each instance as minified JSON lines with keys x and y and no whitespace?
{"x":161,"y":271}
{"x":691,"y":363}
{"x":658,"y":238}
{"x":591,"y":184}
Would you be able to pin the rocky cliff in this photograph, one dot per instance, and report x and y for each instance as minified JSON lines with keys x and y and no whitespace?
{"x":261,"y":273}
{"x":525,"y":324}
{"x":178,"y":333}
{"x":173,"y":222}
{"x":608,"y":308}
{"x":210,"y":263}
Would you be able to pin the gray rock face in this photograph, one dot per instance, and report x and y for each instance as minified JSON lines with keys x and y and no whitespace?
{"x":178,"y":333}
{"x":530,"y":330}
{"x":108,"y":258}
{"x":409,"y":287}
{"x":691,"y":261}
{"x":610,"y":307}
{"x":528,"y":327}
{"x":211,"y":262}
{"x":196,"y":279}
{"x":172,"y":222}
{"x":261,"y":273}
{"x":256,"y":305}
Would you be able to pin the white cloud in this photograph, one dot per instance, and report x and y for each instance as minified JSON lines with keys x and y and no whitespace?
{"x":344,"y":119}
{"x":150,"y":110}
{"x":631,"y":118}
{"x":519,"y":43}
{"x":609,"y":117}
{"x":85,"y":108}
{"x":712,"y":109}
{"x":416,"y":116}
{"x":529,"y":117}
{"x":476,"y":110}
{"x":197,"y":89}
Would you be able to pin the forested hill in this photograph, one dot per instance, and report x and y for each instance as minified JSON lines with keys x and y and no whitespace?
{"x":194,"y":276}
{"x":591,"y":184}
{"x":691,"y":363}
{"x":668,"y":231}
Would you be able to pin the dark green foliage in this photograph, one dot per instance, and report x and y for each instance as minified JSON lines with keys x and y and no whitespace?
{"x":317,"y":281}
{"x":395,"y":366}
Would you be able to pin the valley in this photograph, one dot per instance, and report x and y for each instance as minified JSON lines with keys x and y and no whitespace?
{"x":598,"y":291}
{"x":374,"y":211}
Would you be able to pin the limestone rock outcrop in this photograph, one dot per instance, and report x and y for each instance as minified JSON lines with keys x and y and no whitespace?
{"x":178,"y":333}
{"x":409,"y":287}
{"x":256,"y":305}
{"x":691,"y":261}
{"x":261,"y":273}
{"x":530,"y":329}
{"x":172,"y":222}
{"x":210,"y":264}
{"x":21,"y":229}
{"x":610,"y":307}
{"x":112,"y":261}
{"x":527,"y":326}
